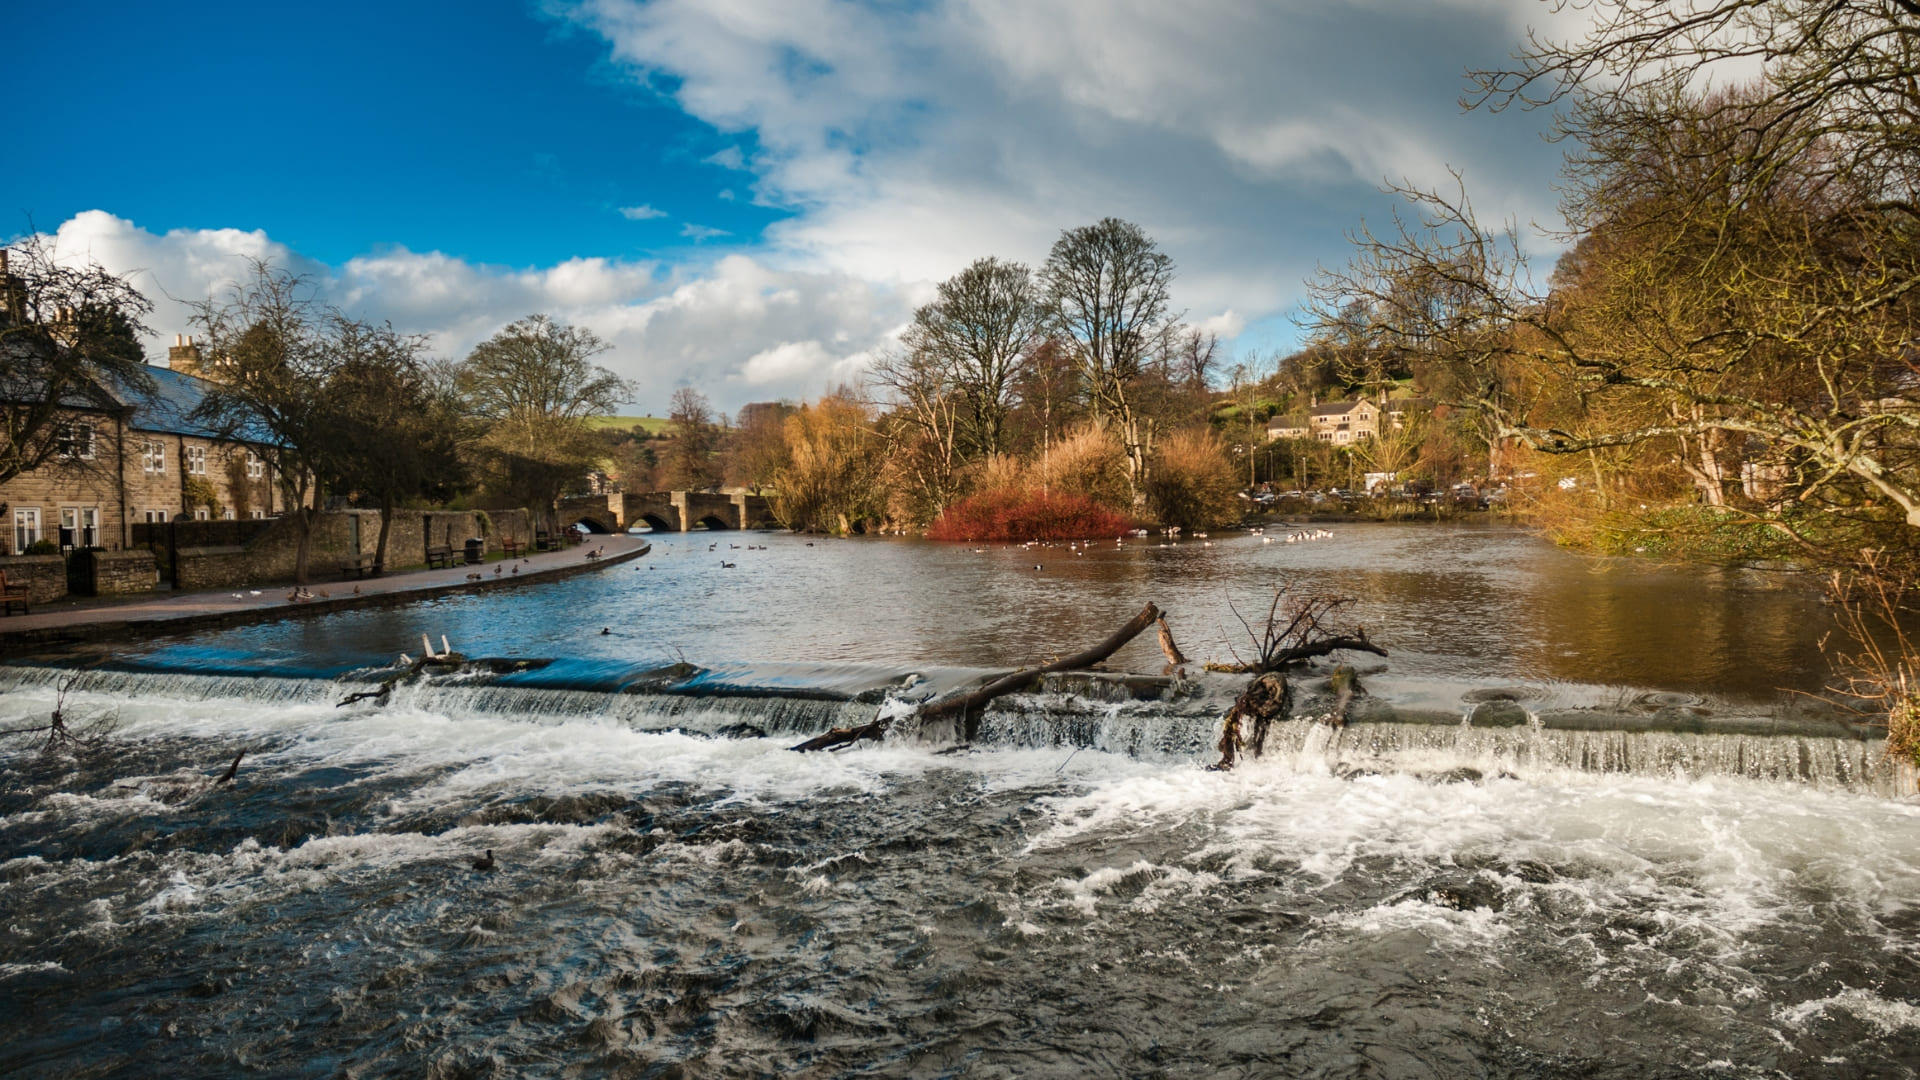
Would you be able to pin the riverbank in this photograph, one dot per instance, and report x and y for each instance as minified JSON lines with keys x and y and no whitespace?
{"x":111,"y":621}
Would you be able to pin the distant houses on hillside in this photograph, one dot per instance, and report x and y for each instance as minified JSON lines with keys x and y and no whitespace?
{"x":1346,"y":422}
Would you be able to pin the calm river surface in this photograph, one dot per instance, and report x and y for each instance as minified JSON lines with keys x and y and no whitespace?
{"x":674,"y":893}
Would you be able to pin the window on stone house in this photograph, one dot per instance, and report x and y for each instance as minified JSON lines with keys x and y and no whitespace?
{"x":76,"y":441}
{"x":256,"y":466}
{"x":153,"y":457}
{"x":227,"y":514}
{"x":196,"y":461}
{"x":26,"y":527}
{"x":156,"y":517}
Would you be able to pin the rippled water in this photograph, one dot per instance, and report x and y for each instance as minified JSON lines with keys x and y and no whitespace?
{"x":668,"y":902}
{"x":1462,"y":603}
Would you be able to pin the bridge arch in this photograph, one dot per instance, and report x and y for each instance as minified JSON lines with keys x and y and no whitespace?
{"x":715,"y":523}
{"x":593,"y":525}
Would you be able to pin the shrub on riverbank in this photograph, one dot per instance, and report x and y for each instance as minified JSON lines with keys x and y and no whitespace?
{"x":1010,"y":514}
{"x":1192,"y":484}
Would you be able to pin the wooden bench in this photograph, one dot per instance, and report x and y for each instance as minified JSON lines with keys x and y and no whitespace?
{"x":439,"y":557}
{"x":511,"y":548}
{"x":12,"y":596}
{"x":543,"y":541}
{"x":359,"y":567}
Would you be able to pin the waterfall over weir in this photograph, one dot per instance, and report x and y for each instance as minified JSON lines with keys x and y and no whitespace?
{"x":1152,"y":719}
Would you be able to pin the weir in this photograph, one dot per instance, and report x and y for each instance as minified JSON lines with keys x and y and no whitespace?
{"x":1143,"y":717}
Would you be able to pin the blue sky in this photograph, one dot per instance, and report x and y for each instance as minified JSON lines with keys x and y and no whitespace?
{"x":480,"y":129}
{"x":747,"y":196}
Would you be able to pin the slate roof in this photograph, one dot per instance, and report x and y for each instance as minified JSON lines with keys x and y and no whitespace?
{"x":1338,"y":408}
{"x":166,"y":408}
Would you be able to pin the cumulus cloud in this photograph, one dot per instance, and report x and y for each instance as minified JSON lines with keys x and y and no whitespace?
{"x":642,"y":212}
{"x":1246,"y":137}
{"x":738,"y":328}
{"x":701,"y":233}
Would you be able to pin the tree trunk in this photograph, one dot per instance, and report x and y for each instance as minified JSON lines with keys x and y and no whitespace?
{"x":965,"y":705}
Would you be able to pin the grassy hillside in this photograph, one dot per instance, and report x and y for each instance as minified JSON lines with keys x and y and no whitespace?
{"x":654,"y":424}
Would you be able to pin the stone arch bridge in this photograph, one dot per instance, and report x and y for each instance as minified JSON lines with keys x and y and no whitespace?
{"x":667,"y":511}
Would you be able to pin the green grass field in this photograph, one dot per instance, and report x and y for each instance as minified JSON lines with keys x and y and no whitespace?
{"x":654,"y":424}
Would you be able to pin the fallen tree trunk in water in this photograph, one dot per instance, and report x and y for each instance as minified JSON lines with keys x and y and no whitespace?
{"x":963,"y":705}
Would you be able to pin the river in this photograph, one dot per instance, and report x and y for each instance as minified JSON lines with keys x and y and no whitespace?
{"x":1652,"y":852}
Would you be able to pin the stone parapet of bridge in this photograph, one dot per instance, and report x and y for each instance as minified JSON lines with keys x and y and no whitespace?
{"x":668,"y":511}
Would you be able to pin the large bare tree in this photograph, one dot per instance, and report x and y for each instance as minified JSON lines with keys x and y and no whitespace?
{"x":977,"y":332}
{"x":1106,"y":287}
{"x":269,"y":334}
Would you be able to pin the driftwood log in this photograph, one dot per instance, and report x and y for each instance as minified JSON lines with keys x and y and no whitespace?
{"x":967,"y":705}
{"x":1299,"y":626}
{"x":444,"y":662}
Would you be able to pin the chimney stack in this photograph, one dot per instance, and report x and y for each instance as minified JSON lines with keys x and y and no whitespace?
{"x":184,"y":357}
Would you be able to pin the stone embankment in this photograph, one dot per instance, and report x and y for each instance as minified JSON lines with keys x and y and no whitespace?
{"x":176,"y":612}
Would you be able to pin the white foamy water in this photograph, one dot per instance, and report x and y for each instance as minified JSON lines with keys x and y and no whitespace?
{"x":668,"y":896}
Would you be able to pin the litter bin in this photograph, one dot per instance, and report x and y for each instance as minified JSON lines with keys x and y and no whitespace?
{"x":476,"y":550}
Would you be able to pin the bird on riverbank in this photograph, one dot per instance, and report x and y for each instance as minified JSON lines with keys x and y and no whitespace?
{"x":486,"y":864}
{"x":516,"y":569}
{"x":356,"y":590}
{"x":496,"y":571}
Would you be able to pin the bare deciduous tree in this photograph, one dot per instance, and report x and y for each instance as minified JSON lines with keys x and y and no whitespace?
{"x":977,"y":332}
{"x":68,"y":335}
{"x":1106,"y":287}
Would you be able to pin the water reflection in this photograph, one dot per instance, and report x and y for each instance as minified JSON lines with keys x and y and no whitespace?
{"x":1481,"y":604}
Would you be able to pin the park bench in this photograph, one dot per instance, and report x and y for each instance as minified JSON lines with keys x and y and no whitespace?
{"x":511,"y":547}
{"x":12,"y":596}
{"x":439,"y":557}
{"x":543,"y":541}
{"x":359,"y":566}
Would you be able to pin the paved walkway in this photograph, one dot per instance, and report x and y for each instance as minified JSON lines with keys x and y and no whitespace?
{"x":166,"y":613}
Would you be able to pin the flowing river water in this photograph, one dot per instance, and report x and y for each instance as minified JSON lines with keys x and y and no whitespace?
{"x":1592,"y":819}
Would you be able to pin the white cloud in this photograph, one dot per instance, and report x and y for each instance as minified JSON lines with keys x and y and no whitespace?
{"x":739,"y":329}
{"x":701,"y":233}
{"x":641,"y":213}
{"x":730,"y":158}
{"x":785,"y":361}
{"x":1246,"y":137}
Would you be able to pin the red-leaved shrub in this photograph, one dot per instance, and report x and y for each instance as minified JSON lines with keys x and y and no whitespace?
{"x":1011,"y":514}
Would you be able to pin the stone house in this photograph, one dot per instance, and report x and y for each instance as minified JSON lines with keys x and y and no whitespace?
{"x":128,"y":456}
{"x":1287,"y":427}
{"x":1344,"y":422}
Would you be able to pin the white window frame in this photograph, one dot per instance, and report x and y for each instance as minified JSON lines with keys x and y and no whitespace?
{"x":26,"y":528}
{"x":71,"y":447}
{"x":196,"y":461}
{"x":227,"y":514}
{"x":200,"y":513}
{"x":256,"y":466}
{"x":153,"y":457}
{"x":157,"y":517}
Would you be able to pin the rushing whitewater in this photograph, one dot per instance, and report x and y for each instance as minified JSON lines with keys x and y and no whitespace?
{"x":1504,"y":868}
